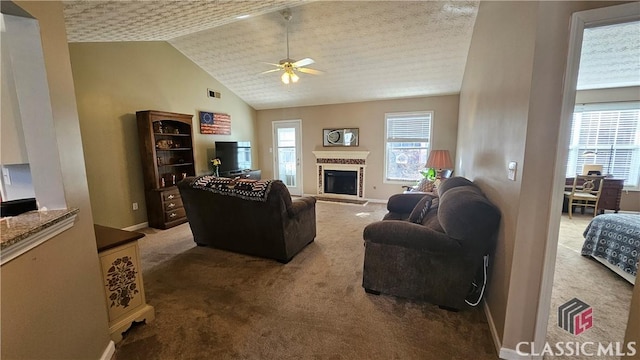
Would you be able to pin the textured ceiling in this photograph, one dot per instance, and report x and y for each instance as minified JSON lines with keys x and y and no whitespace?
{"x":610,"y":56}
{"x":368,"y":50}
{"x":143,"y":20}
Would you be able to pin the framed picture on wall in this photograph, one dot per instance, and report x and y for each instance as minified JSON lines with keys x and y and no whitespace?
{"x":340,"y":137}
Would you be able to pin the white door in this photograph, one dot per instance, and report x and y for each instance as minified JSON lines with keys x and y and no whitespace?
{"x":287,"y":154}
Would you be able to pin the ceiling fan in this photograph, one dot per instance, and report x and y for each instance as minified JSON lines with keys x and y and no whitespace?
{"x":290,"y":66}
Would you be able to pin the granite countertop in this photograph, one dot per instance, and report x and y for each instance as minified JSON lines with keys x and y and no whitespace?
{"x":16,"y":228}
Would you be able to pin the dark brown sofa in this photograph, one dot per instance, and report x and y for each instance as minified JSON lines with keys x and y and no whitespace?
{"x":268,"y":224}
{"x":432,"y":248}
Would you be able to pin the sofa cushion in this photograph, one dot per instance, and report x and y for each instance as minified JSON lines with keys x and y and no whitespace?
{"x":466,"y":215}
{"x":404,"y":203}
{"x":453,"y":182}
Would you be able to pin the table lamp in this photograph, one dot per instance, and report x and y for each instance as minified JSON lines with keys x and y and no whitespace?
{"x":439,"y":160}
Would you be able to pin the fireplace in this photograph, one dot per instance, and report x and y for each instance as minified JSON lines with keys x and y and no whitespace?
{"x":341,"y":173}
{"x":341,"y":182}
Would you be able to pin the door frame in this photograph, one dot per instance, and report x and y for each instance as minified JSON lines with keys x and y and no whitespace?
{"x":298,"y":123}
{"x":579,"y":21}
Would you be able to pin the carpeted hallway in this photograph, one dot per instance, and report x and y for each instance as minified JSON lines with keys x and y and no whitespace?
{"x":212,"y":304}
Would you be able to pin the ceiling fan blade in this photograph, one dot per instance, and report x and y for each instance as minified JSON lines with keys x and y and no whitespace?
{"x":269,"y":71}
{"x":309,"y":71}
{"x":272,"y":64}
{"x":303,"y":62}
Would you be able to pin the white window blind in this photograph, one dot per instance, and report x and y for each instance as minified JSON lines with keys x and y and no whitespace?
{"x":407,"y":138}
{"x":609,"y":135}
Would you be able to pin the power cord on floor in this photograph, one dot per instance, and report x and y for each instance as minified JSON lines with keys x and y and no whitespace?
{"x":476,"y":289}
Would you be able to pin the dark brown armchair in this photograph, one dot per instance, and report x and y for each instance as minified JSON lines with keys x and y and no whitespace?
{"x":271,"y":225}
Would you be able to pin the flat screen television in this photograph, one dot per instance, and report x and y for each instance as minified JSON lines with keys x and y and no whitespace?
{"x":233,"y":155}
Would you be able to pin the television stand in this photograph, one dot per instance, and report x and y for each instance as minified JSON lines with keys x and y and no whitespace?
{"x":243,"y":174}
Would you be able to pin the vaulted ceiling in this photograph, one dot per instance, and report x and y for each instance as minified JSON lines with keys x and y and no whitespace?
{"x":367,"y":50}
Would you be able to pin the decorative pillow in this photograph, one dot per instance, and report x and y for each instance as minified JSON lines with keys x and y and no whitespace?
{"x":431,"y":218}
{"x":420,"y":210}
{"x":425,"y":185}
{"x":435,"y":202}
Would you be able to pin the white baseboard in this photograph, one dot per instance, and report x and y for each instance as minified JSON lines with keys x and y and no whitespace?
{"x":109,"y":351}
{"x":510,"y":354}
{"x":492,"y":327}
{"x":503,"y":353}
{"x":137,"y":227}
{"x":377,"y":201}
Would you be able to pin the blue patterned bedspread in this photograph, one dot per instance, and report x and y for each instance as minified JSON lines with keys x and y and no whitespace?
{"x":616,"y":238}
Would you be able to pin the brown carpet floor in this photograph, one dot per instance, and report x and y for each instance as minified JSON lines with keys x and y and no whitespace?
{"x":212,"y":304}
{"x":584,"y":278}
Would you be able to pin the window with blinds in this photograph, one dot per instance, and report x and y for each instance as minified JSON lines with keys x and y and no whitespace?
{"x":608,"y":135}
{"x":407,"y":139}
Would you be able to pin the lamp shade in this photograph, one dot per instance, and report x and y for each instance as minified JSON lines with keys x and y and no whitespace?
{"x":439,"y":159}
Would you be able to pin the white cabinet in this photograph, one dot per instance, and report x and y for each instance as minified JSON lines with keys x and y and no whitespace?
{"x":122,"y":279}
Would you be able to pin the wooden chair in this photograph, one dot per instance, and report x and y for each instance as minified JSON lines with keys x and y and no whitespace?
{"x":585,"y":192}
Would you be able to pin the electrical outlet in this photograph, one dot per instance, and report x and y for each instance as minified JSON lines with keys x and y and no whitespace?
{"x":135,"y":206}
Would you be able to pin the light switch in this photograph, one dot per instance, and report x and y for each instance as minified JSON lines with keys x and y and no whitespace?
{"x":511,"y":170}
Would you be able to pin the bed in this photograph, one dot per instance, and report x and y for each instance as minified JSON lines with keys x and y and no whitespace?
{"x":614,"y":240}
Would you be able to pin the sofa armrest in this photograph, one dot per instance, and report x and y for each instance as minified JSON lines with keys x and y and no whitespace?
{"x":404,"y":203}
{"x":300,"y":204}
{"x":409,"y":235}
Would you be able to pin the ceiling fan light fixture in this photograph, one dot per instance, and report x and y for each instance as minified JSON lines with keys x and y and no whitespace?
{"x":285,"y":78}
{"x":289,"y":76}
{"x":288,"y":65}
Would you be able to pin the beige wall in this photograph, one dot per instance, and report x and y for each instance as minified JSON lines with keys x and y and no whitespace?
{"x":510,"y":106}
{"x":633,"y":323}
{"x":113,"y":81}
{"x":630,"y":200}
{"x":52,"y":300}
{"x":493,"y":121}
{"x":369,"y":118}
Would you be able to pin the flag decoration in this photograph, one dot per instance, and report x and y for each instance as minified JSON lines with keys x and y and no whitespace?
{"x":215,"y":123}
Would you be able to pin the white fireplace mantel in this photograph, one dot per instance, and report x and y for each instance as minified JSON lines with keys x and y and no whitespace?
{"x":341,"y":154}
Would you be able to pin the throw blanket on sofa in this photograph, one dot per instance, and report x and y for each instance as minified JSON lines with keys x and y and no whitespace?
{"x":256,"y":190}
